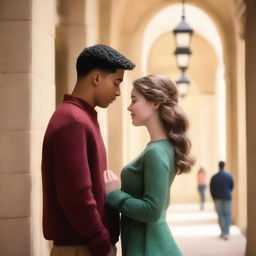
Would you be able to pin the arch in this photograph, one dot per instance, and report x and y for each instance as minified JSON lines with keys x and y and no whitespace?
{"x":164,"y":21}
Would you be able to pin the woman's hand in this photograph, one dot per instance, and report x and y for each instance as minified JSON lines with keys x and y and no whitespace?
{"x":112,"y":251}
{"x":111,"y":181}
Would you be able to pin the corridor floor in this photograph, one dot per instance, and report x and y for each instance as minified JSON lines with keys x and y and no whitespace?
{"x":197,"y":232}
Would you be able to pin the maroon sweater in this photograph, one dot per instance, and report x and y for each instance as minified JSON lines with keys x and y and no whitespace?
{"x":73,"y":161}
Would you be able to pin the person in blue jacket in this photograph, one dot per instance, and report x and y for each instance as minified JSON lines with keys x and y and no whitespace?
{"x":221,"y":186}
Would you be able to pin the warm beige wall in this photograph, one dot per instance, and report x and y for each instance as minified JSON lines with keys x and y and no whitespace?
{"x":15,"y":177}
{"x":234,"y":55}
{"x":201,"y":112}
{"x":28,"y":97}
{"x":241,"y":176}
{"x":70,"y":40}
{"x":42,"y":105}
{"x":250,"y":36}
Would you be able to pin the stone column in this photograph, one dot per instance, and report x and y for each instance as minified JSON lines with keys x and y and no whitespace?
{"x":15,"y":80}
{"x":241,"y":178}
{"x":113,"y":117}
{"x":250,"y":36}
{"x":236,"y":145}
{"x":28,"y":98}
{"x":70,"y":40}
{"x":42,"y":104}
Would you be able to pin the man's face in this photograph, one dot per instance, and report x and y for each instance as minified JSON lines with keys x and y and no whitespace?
{"x":108,"y":88}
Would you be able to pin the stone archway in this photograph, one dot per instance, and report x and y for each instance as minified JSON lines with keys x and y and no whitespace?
{"x":226,"y":23}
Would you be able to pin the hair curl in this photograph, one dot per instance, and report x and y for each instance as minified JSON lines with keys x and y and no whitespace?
{"x":159,"y":88}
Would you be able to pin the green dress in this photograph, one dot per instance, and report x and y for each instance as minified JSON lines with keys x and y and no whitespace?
{"x":143,"y":201}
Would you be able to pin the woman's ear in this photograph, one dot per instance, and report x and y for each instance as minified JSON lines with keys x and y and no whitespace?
{"x":156,"y":105}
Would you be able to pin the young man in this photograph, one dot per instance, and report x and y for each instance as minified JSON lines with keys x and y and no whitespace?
{"x":221,"y":186}
{"x":74,"y":158}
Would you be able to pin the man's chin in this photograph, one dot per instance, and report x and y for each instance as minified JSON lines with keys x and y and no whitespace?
{"x":105,"y":105}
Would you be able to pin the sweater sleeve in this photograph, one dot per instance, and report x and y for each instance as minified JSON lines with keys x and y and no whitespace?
{"x":74,"y":187}
{"x":156,"y":187}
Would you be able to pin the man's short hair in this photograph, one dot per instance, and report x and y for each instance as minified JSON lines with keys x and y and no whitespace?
{"x":221,"y":165}
{"x":101,"y":57}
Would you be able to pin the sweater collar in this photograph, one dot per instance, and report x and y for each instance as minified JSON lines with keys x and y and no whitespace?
{"x":80,"y":103}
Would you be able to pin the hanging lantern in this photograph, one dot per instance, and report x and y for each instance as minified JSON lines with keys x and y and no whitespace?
{"x":182,"y":57}
{"x":183,"y":34}
{"x":183,"y":85}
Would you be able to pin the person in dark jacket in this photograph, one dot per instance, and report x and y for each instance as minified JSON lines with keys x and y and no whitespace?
{"x":221,"y":186}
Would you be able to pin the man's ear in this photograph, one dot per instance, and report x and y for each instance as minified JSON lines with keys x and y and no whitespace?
{"x":95,"y":78}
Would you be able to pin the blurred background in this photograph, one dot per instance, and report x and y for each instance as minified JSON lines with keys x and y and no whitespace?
{"x":215,"y":73}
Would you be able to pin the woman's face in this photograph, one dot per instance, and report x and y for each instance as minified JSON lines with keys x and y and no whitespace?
{"x":141,"y":109}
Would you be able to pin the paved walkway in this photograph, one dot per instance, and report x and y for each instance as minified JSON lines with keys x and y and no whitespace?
{"x":197,"y":232}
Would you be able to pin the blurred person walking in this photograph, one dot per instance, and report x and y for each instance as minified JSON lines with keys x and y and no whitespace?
{"x":221,"y":186}
{"x":201,"y":186}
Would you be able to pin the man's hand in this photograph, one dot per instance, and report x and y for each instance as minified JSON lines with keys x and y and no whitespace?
{"x":111,"y":181}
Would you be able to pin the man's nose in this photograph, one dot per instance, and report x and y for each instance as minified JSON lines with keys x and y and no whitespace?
{"x":118,"y":92}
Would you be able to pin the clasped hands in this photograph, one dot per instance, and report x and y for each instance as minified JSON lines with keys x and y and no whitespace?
{"x":112,"y":182}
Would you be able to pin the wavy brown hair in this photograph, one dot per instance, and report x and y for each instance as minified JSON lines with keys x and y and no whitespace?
{"x":160,"y":89}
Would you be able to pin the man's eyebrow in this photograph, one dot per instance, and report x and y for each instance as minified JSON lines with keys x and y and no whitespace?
{"x":133,"y":96}
{"x":120,"y":79}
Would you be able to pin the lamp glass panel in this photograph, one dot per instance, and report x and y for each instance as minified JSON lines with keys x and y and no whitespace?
{"x":183,"y":60}
{"x":183,"y":39}
{"x":183,"y":89}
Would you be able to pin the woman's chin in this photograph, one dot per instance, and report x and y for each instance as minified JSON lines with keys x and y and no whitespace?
{"x":135,"y":123}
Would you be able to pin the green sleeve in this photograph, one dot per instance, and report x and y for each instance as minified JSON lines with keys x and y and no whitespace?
{"x":156,"y":180}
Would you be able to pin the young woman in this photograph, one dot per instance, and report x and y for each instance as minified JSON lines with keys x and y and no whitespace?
{"x":144,"y":196}
{"x":201,"y":186}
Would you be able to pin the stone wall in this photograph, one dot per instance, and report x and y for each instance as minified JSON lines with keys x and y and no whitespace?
{"x":27,"y":78}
